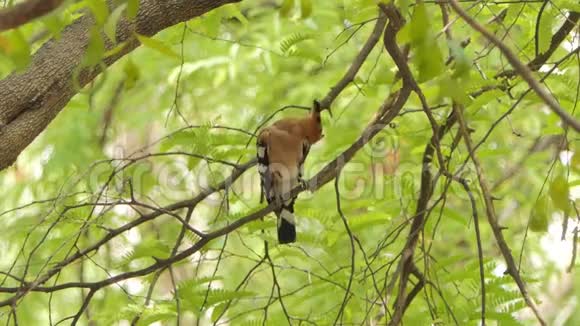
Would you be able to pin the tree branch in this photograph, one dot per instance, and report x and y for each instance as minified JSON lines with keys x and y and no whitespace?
{"x":388,"y":111}
{"x":406,"y":264}
{"x":327,"y":174}
{"x":29,"y":101}
{"x":521,"y":69}
{"x":23,"y":12}
{"x":347,"y":293}
{"x":492,"y":217}
{"x":357,"y":63}
{"x":557,"y":39}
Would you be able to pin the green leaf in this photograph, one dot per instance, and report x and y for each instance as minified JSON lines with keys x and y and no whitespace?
{"x":184,"y":139}
{"x":54,"y":24}
{"x":110,"y":27}
{"x":218,"y":311}
{"x":308,"y":51}
{"x":132,"y":9}
{"x":148,"y":248}
{"x":453,"y":88}
{"x":360,"y":10}
{"x":100,"y":10}
{"x":286,"y":8}
{"x":457,"y":216}
{"x":290,"y":41}
{"x":258,"y":226}
{"x":462,"y":62}
{"x":545,"y":30}
{"x":305,"y":8}
{"x":233,"y":10}
{"x":428,"y":57}
{"x":571,"y":5}
{"x":95,"y":49}
{"x":116,"y":49}
{"x":484,"y":99}
{"x":430,"y":64}
{"x":158,"y":46}
{"x":196,"y":282}
{"x":132,"y":74}
{"x":539,"y":216}
{"x":212,"y":22}
{"x":419,"y":24}
{"x":404,"y":6}
{"x":194,"y":297}
{"x":560,"y":192}
{"x":15,"y":46}
{"x":152,"y":315}
{"x":575,"y":161}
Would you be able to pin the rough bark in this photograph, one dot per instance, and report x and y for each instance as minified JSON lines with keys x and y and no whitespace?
{"x":30,"y":100}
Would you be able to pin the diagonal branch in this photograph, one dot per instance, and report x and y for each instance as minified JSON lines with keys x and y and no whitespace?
{"x":30,"y":100}
{"x":492,"y":217}
{"x":357,"y":63}
{"x":23,"y":12}
{"x":328,"y":173}
{"x":557,"y":39}
{"x":521,"y":69}
{"x":568,"y":25}
{"x":388,"y":111}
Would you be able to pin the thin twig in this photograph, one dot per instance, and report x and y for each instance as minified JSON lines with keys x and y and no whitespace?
{"x":352,"y":250}
{"x":492,"y":217}
{"x":522,"y":70}
{"x":574,"y":250}
{"x":357,"y":63}
{"x":465,"y":185}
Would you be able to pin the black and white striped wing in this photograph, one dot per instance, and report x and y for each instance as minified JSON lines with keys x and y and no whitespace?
{"x":264,"y":170}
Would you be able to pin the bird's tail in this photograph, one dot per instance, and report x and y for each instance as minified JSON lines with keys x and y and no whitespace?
{"x":286,"y":223}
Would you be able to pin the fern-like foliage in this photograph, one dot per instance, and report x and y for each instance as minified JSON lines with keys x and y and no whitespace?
{"x":288,"y":43}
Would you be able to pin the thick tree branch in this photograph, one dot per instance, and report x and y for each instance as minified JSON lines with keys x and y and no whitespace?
{"x":387,"y":112}
{"x":23,"y":12}
{"x":30,"y":100}
{"x":522,"y":70}
{"x":392,"y":106}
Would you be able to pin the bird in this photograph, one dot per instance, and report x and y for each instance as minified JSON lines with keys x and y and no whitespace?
{"x":282,"y":149}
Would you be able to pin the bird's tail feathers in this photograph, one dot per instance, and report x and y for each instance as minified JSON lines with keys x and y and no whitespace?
{"x":286,"y":223}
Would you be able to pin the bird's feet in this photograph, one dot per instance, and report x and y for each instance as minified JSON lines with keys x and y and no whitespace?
{"x":303,"y":184}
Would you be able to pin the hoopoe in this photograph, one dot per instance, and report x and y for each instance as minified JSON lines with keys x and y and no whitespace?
{"x":281,"y":151}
